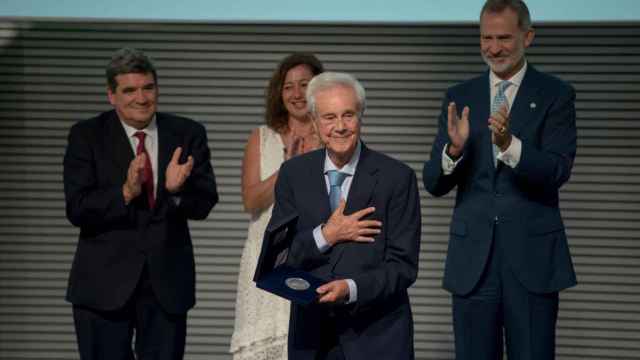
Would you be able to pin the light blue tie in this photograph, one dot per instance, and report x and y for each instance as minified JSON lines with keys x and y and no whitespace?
{"x":500,"y":97}
{"x":499,"y":100}
{"x":336,"y":178}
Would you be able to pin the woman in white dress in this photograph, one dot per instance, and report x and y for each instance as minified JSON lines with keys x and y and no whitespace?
{"x":262,"y":319}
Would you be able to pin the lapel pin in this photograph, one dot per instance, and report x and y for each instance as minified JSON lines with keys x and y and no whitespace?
{"x":532,"y":106}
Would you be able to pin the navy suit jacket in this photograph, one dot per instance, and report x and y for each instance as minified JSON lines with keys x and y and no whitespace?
{"x":116,"y":239}
{"x":520,"y":204}
{"x":379,"y":324}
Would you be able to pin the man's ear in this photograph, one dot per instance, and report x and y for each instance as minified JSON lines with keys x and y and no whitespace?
{"x":528,"y":37}
{"x":110,"y":96}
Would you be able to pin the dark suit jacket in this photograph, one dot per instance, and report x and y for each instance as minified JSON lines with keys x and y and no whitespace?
{"x":116,"y":240}
{"x":522,"y":202}
{"x":379,"y":325}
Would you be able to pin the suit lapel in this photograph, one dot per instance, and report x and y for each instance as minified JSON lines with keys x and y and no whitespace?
{"x":363,"y":184}
{"x":525,"y":101}
{"x":362,"y":187}
{"x":117,"y":143}
{"x":168,"y":141}
{"x":318,"y":187}
{"x":482,"y":107}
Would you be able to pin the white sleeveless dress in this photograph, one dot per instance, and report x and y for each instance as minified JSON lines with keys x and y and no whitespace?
{"x":261,"y":319}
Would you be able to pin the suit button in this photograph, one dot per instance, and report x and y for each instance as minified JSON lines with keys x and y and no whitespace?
{"x":495,"y":219}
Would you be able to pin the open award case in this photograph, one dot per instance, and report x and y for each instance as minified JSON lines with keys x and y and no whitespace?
{"x":274,"y":275}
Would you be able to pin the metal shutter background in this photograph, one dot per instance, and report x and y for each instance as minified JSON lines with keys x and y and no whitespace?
{"x":52,"y":75}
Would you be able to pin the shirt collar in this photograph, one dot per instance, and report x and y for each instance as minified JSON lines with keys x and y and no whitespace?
{"x":150,"y":130}
{"x":516,"y":79}
{"x":350,"y":167}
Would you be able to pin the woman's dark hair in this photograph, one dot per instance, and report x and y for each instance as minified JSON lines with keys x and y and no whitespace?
{"x":276,"y":115}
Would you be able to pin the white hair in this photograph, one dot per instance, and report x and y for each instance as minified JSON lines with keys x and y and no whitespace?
{"x":328,"y":80}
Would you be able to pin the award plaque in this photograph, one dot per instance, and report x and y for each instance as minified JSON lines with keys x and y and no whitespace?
{"x":274,"y":275}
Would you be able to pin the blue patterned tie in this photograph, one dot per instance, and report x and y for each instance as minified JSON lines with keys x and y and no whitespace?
{"x":499,"y":100}
{"x":336,"y":178}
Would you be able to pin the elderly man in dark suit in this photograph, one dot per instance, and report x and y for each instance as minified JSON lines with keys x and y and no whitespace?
{"x":508,"y":153}
{"x":358,"y":228}
{"x":132,"y":179}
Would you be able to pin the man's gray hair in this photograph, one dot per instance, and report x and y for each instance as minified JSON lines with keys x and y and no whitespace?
{"x":328,"y":80}
{"x":128,"y":61}
{"x":518,"y":6}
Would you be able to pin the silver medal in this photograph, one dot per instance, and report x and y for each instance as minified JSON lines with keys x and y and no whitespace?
{"x":296,"y":283}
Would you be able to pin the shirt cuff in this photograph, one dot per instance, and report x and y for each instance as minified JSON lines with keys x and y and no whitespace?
{"x":321,"y":242}
{"x":448,"y":165}
{"x":511,"y":156}
{"x":353,"y":291}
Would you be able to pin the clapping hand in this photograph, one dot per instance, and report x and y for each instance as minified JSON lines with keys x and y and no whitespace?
{"x":499,"y":126}
{"x":135,"y":178}
{"x":177,"y":173}
{"x":458,"y":129}
{"x":294,"y":148}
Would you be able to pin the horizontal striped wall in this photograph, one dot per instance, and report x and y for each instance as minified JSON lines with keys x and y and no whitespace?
{"x":52,"y":75}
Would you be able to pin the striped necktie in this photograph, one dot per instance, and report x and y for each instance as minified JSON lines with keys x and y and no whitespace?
{"x":499,"y":100}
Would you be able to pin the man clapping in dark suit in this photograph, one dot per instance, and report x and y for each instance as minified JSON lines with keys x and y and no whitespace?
{"x":132,"y":179}
{"x":508,"y":152}
{"x":358,"y":227}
